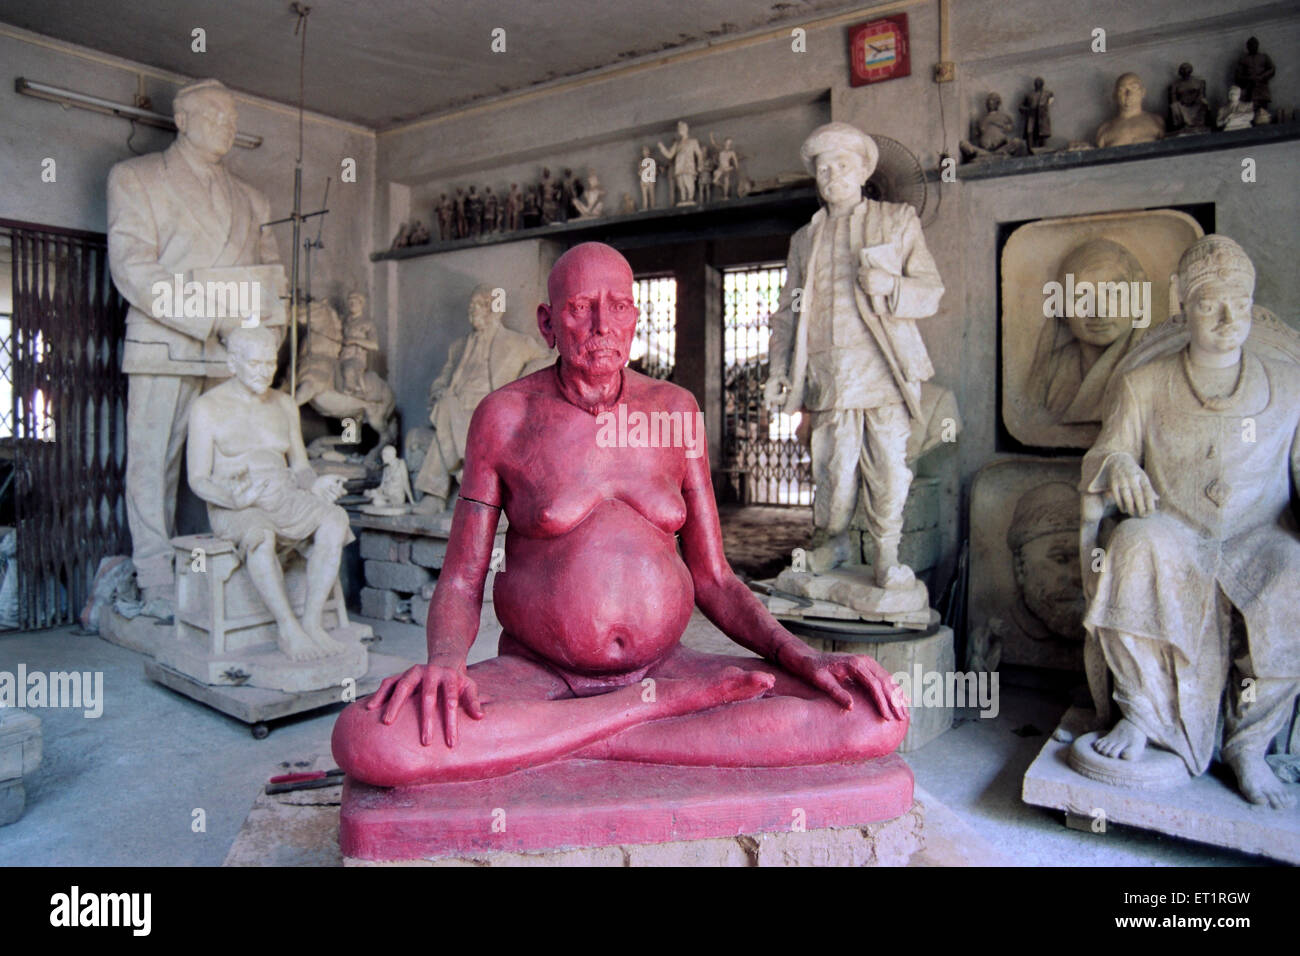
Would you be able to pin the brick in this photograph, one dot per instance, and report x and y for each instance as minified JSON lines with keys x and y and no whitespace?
{"x":13,"y":798}
{"x":419,"y":610}
{"x":380,"y":604}
{"x":382,"y":546}
{"x":429,"y":552}
{"x":407,"y":578}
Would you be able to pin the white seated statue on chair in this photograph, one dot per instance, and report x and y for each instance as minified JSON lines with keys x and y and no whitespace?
{"x":1200,"y":447}
{"x":247,"y":461}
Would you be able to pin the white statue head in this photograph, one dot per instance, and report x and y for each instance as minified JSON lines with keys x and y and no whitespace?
{"x":480,"y":308}
{"x":252,"y":357}
{"x":1216,"y":280}
{"x":1044,"y":542}
{"x":842,"y":158}
{"x":205,"y":116}
{"x":1098,"y":261}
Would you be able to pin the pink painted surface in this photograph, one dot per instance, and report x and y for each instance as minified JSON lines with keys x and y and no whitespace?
{"x":589,"y":803}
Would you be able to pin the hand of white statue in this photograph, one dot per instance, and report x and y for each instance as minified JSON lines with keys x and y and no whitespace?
{"x":329,"y":487}
{"x":245,"y":492}
{"x":876,"y":281}
{"x":1130,"y":487}
{"x":774,"y":390}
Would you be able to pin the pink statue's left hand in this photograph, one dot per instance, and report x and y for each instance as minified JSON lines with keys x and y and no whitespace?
{"x":833,"y":673}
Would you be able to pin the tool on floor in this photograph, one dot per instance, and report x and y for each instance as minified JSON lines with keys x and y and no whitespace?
{"x":316,"y":779}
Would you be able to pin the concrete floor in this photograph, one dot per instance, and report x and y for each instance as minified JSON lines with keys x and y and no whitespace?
{"x":123,"y":789}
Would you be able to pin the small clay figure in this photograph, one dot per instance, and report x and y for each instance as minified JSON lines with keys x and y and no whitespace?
{"x":1253,"y":71}
{"x":530,"y":212}
{"x":419,"y":235}
{"x":462,"y":227}
{"x":1036,"y":110}
{"x":704,"y":177}
{"x":627,"y":206}
{"x":1130,"y":124}
{"x":491,"y":209}
{"x":1188,"y":110}
{"x":514,"y":208}
{"x":993,"y":134}
{"x":686,"y":154}
{"x":1236,"y":113}
{"x":728,"y":167}
{"x":647,"y":173}
{"x":592,"y":202}
{"x":474,"y":213}
{"x":446,"y":218}
{"x":403,"y":237}
{"x":548,"y":194}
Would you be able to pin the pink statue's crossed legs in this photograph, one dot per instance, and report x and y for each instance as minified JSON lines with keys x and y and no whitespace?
{"x":702,"y":712}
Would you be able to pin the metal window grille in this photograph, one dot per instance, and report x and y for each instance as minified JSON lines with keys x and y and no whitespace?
{"x":654,"y":350}
{"x":68,"y":417}
{"x":765,"y":461}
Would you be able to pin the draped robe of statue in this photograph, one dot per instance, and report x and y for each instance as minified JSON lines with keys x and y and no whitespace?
{"x":477,"y":364}
{"x":1072,"y":393}
{"x":1223,"y":536}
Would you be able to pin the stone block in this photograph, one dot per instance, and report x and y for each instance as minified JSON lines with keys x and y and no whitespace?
{"x":13,"y":799}
{"x":429,"y":552}
{"x":382,"y":546}
{"x":378,"y":603}
{"x":407,"y":578}
{"x":20,"y":743}
{"x":420,"y":609}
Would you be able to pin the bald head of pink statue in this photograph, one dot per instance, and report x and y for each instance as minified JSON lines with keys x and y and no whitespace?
{"x":591,"y":316}
{"x":610,"y":547}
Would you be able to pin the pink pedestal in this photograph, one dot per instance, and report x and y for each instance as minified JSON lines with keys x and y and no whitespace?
{"x":589,"y":803}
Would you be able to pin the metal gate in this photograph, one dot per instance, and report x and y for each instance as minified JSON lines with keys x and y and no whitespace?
{"x":69,"y":418}
{"x":765,"y":461}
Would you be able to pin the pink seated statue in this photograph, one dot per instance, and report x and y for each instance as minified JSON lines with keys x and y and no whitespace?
{"x":608,"y":550}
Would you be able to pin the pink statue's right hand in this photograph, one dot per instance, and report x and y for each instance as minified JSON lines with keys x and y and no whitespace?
{"x":440,"y":675}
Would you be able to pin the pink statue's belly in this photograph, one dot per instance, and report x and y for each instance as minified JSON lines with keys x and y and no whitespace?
{"x":609,"y":596}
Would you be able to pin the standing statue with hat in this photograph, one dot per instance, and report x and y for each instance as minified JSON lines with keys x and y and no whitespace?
{"x":845,"y":348}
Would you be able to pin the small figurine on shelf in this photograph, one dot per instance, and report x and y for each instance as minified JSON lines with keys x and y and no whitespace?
{"x":1036,"y":109}
{"x":462,"y":227}
{"x":627,"y":207}
{"x":993,"y":137}
{"x":1236,"y":113}
{"x":514,"y":208}
{"x":403,"y":237}
{"x":728,"y":167}
{"x":570,"y":192}
{"x":446,"y":218}
{"x":419,"y":235}
{"x":704,"y":177}
{"x":1189,"y":112}
{"x":591,"y":203}
{"x":531,"y":213}
{"x":474,"y":213}
{"x":1130,"y":124}
{"x":548,"y":194}
{"x":686,"y":155}
{"x":647,"y":172}
{"x":491,"y":210}
{"x":1252,"y":73}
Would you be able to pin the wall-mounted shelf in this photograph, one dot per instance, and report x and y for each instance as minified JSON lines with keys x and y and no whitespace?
{"x":780,"y":207}
{"x":1171,"y":146}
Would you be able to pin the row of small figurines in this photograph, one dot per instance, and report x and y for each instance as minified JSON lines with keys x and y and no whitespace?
{"x":696,"y":173}
{"x":1189,"y":111}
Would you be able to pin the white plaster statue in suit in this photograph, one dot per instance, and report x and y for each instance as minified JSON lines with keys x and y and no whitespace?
{"x":168,"y":213}
{"x":489,"y":357}
{"x":845,"y":347}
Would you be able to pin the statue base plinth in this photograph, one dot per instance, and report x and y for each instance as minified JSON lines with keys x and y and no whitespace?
{"x":1207,"y":809}
{"x":852,"y":593}
{"x":1156,"y":769}
{"x":587,"y":804}
{"x":266,"y":666}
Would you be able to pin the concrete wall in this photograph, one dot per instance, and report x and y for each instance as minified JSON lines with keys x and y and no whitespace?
{"x":743,"y":87}
{"x":85,"y":145}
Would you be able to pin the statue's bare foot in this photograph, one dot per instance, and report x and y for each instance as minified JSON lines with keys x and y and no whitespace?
{"x":829,"y":555}
{"x":690,"y":694}
{"x":1259,"y":784}
{"x":1124,"y":742}
{"x":327,"y":645}
{"x":296,"y":644}
{"x":896,"y":577}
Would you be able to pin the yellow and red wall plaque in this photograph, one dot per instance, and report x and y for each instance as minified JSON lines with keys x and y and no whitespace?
{"x":878,"y":50}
